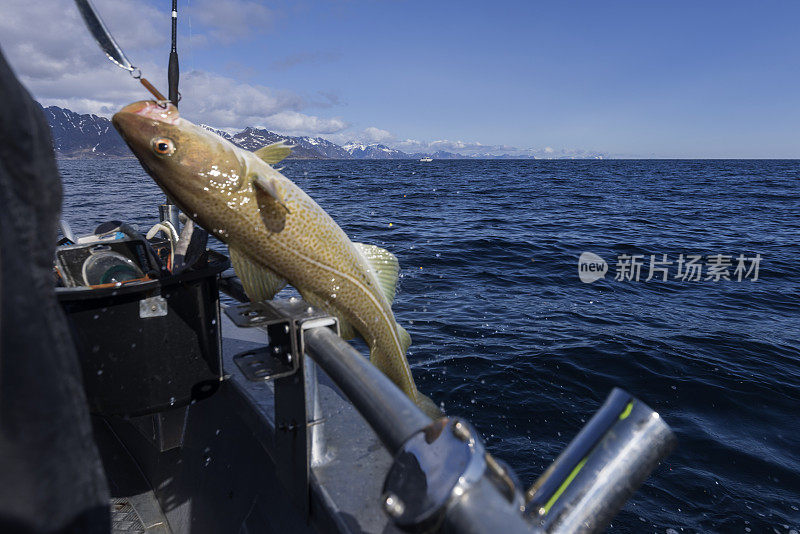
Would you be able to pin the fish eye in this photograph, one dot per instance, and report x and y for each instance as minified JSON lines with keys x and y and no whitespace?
{"x":164,"y":146}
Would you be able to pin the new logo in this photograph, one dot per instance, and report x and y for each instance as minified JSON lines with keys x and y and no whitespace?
{"x":591,"y":267}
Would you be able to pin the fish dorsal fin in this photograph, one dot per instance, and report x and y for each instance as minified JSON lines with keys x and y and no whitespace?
{"x":274,"y":153}
{"x":259,"y":282}
{"x":384,"y":264}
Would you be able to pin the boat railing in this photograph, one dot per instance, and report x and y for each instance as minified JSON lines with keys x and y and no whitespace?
{"x":441,"y":476}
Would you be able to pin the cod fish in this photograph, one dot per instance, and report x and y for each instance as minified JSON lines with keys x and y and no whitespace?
{"x":274,"y":231}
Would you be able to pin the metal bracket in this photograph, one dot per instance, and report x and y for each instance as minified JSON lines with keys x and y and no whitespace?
{"x":285,"y":321}
{"x":282,"y":361}
{"x":153,"y":307}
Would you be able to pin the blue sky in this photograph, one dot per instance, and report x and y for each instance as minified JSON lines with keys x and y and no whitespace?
{"x":638,"y":78}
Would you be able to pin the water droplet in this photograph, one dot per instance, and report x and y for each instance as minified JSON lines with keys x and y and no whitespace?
{"x":99,"y":372}
{"x":172,"y":401}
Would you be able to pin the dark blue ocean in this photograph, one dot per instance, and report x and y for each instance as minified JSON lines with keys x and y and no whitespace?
{"x":506,"y":334}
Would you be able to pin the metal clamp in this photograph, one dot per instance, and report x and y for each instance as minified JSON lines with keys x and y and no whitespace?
{"x":285,"y":322}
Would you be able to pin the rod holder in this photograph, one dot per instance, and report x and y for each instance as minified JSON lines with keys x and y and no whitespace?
{"x":170,"y":213}
{"x":601,"y":468}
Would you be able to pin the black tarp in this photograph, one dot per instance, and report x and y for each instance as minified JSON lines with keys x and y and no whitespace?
{"x":51,"y":478}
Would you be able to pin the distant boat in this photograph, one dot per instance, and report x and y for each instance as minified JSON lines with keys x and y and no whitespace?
{"x":426,"y":159}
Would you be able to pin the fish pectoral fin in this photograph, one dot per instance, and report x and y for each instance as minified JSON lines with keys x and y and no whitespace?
{"x":270,"y":187}
{"x":260,"y":283}
{"x":346,"y":330}
{"x":385,"y":266}
{"x":274,"y":153}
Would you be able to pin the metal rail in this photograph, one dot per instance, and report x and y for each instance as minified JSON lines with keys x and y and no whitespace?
{"x":389,"y":412}
{"x":442,"y":477}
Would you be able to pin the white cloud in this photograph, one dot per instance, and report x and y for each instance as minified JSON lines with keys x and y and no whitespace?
{"x":291,"y":122}
{"x":46,"y":40}
{"x":376,"y":135}
{"x":476,"y":149}
{"x":223,"y":101}
{"x":458,"y":146}
{"x":51,"y":51}
{"x":59,"y":62}
{"x":226,"y":103}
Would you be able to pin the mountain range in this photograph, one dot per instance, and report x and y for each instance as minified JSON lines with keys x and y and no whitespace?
{"x":78,"y":136}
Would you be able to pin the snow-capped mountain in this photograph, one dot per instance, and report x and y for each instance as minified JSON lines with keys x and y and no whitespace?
{"x":221,"y":133}
{"x":76,"y":135}
{"x":374,"y":151}
{"x":302,"y":148}
{"x":83,"y":135}
{"x":323,"y":146}
{"x":439,"y":154}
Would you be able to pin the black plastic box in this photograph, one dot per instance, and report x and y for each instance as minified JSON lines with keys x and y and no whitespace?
{"x":148,"y":346}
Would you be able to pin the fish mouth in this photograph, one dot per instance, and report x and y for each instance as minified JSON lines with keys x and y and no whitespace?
{"x":150,"y":109}
{"x":137,"y":123}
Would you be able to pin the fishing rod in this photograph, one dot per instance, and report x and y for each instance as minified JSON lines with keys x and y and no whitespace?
{"x":173,"y":72}
{"x":168,"y":211}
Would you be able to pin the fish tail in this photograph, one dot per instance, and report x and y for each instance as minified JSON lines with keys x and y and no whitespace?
{"x":425,"y":404}
{"x":398,"y":371}
{"x":393,"y":363}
